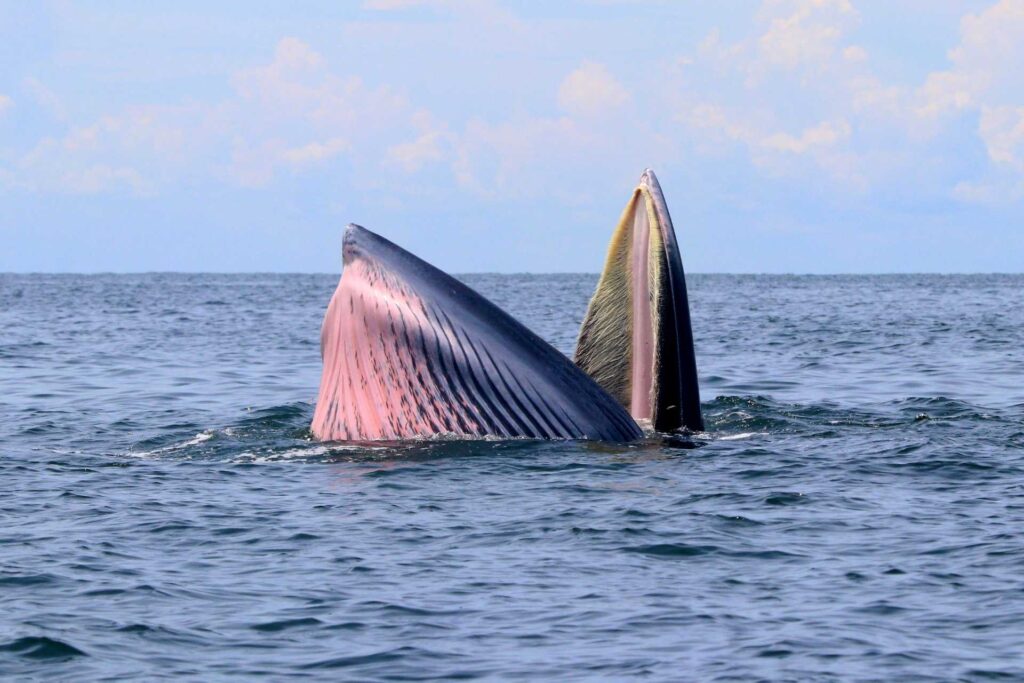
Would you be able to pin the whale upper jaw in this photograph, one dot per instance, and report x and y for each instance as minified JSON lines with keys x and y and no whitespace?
{"x":636,"y":339}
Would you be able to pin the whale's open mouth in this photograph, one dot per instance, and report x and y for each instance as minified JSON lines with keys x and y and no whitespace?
{"x":410,"y":352}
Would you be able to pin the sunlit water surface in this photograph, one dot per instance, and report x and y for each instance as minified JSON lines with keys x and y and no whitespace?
{"x":855,"y":510}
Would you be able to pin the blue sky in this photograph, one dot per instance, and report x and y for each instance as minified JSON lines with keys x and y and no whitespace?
{"x":789,"y":135}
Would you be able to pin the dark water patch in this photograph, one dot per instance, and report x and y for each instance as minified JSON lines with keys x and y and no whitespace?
{"x":1013,"y":674}
{"x":672,"y":550}
{"x":347,"y":626}
{"x":381,"y":657}
{"x":286,"y":624}
{"x":26,"y":580}
{"x":104,"y":592}
{"x":882,"y":609}
{"x":141,"y":629}
{"x":786,"y":498}
{"x":41,"y":647}
{"x":737,"y":520}
{"x":405,"y":610}
{"x":286,"y":415}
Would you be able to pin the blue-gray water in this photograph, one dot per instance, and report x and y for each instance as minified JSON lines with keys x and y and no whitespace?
{"x":854,"y":512}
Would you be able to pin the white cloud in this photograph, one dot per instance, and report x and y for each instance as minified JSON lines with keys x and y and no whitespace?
{"x":479,"y":12}
{"x":1002,"y":129}
{"x":984,"y":66}
{"x":412,"y":156}
{"x":550,"y":157}
{"x":391,"y":5}
{"x":591,"y":90}
{"x":291,"y":113}
{"x":489,"y":155}
{"x":801,"y":97}
{"x":777,"y":152}
{"x":783,"y":94}
{"x":797,"y":97}
{"x":45,"y":98}
{"x":432,"y":144}
{"x":279,"y":106}
{"x":807,"y":35}
{"x":315,"y":151}
{"x":984,"y":80}
{"x":855,"y":53}
{"x":101,"y":178}
{"x":533,"y":155}
{"x":825,"y":134}
{"x":991,"y":192}
{"x":134,"y":150}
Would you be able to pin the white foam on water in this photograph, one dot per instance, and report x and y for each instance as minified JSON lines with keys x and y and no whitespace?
{"x":306,"y":452}
{"x":199,"y":438}
{"x":741,"y":436}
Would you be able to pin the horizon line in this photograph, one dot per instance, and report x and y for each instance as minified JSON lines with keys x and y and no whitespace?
{"x":495,"y":272}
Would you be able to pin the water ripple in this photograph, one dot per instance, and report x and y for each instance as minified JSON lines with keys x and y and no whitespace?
{"x":853,"y":512}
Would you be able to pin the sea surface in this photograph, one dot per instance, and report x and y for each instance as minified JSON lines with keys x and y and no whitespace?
{"x":854,"y":512}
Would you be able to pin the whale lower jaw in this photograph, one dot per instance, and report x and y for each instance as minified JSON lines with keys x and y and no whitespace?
{"x":410,"y":352}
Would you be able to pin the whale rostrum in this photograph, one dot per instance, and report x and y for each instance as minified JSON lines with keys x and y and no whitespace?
{"x":636,"y":339}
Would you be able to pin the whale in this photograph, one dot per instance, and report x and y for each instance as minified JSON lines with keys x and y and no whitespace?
{"x":410,"y":352}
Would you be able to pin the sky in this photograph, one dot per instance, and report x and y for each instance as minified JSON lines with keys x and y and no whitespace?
{"x":803,"y":136}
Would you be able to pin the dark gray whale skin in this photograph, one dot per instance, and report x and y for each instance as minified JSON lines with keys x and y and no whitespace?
{"x":679,"y":387}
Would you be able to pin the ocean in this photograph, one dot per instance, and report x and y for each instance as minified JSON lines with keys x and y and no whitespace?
{"x":854,"y":512}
